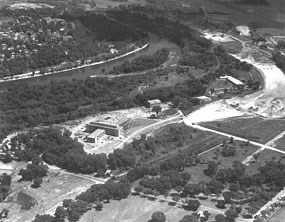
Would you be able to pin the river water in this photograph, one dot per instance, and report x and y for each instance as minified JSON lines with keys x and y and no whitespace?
{"x":155,"y":43}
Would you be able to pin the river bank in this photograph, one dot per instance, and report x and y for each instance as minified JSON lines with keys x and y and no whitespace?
{"x":84,"y":72}
{"x":269,"y":102}
{"x":30,"y":75}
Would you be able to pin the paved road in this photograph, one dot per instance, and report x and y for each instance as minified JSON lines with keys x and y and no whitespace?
{"x":149,"y":127}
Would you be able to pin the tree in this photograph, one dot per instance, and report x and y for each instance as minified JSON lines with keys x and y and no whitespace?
{"x":158,"y":217}
{"x":211,"y":169}
{"x":190,"y":218}
{"x":43,"y":218}
{"x":220,"y":218}
{"x":37,"y":182}
{"x":156,"y":109}
{"x":231,"y":214}
{"x":205,"y":216}
{"x":192,"y":205}
{"x":193,"y":189}
{"x":60,"y":213}
{"x":221,"y":204}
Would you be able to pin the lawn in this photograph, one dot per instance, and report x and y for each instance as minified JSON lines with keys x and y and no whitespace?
{"x":181,"y":139}
{"x":242,"y":151}
{"x":256,"y":129}
{"x":279,"y":216}
{"x":135,"y":209}
{"x":263,"y":157}
{"x":48,"y":196}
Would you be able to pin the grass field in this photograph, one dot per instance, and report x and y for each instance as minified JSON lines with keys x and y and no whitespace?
{"x":242,"y":152}
{"x":263,"y":157}
{"x":279,"y":216}
{"x":256,"y":129}
{"x":48,"y":196}
{"x":134,"y":209}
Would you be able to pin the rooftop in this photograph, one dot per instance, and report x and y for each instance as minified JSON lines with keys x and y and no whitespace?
{"x":232,"y":80}
{"x":154,"y":101}
{"x":96,"y":133}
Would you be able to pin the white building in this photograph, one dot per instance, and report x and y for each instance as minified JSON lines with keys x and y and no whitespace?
{"x":95,"y":136}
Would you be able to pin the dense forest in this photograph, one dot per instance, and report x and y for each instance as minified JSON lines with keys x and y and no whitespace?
{"x":55,"y":148}
{"x":32,"y":105}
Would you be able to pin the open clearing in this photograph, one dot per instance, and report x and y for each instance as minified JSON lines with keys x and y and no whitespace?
{"x":251,"y":128}
{"x":48,"y":196}
{"x":279,"y":216}
{"x":197,"y":174}
{"x":262,"y":158}
{"x":134,"y":209}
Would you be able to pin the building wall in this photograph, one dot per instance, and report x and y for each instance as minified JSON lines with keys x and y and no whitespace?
{"x":109,"y":130}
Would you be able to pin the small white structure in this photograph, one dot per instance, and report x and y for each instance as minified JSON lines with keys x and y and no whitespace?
{"x":244,"y":30}
{"x":233,"y":80}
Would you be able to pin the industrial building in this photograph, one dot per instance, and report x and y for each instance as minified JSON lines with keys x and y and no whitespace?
{"x":109,"y":128}
{"x":95,"y":136}
{"x":235,"y":82}
{"x":154,"y":102}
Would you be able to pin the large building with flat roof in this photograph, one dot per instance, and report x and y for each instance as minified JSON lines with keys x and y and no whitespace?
{"x":95,"y":136}
{"x":110,"y":129}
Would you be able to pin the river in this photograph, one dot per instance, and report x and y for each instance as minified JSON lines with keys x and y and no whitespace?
{"x":155,"y":43}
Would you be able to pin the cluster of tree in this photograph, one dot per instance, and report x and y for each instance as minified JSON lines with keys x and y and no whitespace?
{"x":5,"y":183}
{"x":199,"y":61}
{"x":93,"y":197}
{"x":70,"y":210}
{"x":30,"y":105}
{"x":34,"y":172}
{"x":139,"y":17}
{"x":55,"y":148}
{"x":258,"y":188}
{"x":143,"y":62}
{"x":279,"y":60}
{"x":145,"y":150}
{"x":105,"y":192}
{"x":195,"y":217}
{"x":24,"y":106}
{"x":166,"y":181}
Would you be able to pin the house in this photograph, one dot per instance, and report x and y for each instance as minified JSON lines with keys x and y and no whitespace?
{"x":95,"y":136}
{"x":154,"y":102}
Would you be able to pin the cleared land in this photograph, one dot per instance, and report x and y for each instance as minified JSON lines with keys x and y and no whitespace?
{"x":54,"y":190}
{"x":262,"y":158}
{"x":251,"y":128}
{"x":134,"y":209}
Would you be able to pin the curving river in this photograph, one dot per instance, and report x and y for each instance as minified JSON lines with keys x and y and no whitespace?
{"x":155,"y":43}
